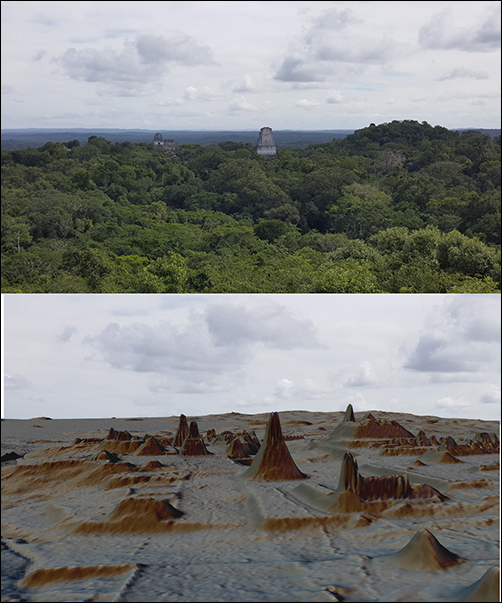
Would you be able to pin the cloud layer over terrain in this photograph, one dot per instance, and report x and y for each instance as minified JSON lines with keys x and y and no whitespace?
{"x":128,"y":355}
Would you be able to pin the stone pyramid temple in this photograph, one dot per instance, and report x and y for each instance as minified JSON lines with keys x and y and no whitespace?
{"x":266,"y":145}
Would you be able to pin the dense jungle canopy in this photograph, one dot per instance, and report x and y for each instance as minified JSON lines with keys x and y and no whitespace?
{"x":401,"y":207}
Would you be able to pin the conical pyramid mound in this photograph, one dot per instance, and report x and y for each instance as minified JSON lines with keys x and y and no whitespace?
{"x":251,"y":443}
{"x":152,"y":448}
{"x":422,"y":439}
{"x":424,"y":552}
{"x":236,"y":450}
{"x":349,"y":415}
{"x":121,"y":436}
{"x":105,"y":455}
{"x":194,"y":444}
{"x":273,"y":462}
{"x":487,"y":588}
{"x":182,"y":432}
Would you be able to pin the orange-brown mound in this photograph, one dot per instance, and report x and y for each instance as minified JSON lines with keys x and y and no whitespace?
{"x":482,"y":444}
{"x":134,"y":516}
{"x":424,"y":552}
{"x":152,"y":465}
{"x":163,"y":440}
{"x":492,"y":467}
{"x":422,"y":439}
{"x":43,"y":577}
{"x":373,"y":428}
{"x":30,"y":478}
{"x":273,"y":462}
{"x":390,"y":487}
{"x":251,"y":443}
{"x":105,"y":455}
{"x":448,"y":458}
{"x":121,"y":436}
{"x":145,"y":508}
{"x":235,"y":449}
{"x":121,"y":446}
{"x":194,"y":444}
{"x":151,"y":447}
{"x":355,"y":434}
{"x":182,"y":432}
{"x":99,"y":474}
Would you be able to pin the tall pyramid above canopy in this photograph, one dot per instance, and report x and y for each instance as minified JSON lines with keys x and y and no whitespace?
{"x":273,"y":461}
{"x":266,"y":144}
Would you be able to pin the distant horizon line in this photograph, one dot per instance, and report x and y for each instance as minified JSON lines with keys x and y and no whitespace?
{"x":167,"y":130}
{"x":79,"y":129}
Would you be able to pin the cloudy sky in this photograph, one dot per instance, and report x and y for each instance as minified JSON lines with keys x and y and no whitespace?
{"x":162,"y":355}
{"x":243,"y":65}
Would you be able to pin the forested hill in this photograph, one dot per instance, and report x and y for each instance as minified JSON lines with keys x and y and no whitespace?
{"x":396,"y":207}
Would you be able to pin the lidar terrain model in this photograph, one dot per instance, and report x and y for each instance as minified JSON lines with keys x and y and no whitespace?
{"x":304,"y":506}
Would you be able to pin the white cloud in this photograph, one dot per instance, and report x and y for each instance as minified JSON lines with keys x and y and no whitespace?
{"x":363,"y":377}
{"x":464,"y":338}
{"x":307,"y":104}
{"x":207,"y":353}
{"x":40,"y":55}
{"x":16,"y":382}
{"x":328,"y":45}
{"x":491,"y":395}
{"x":66,"y":334}
{"x":303,"y":392}
{"x":335,"y":97}
{"x":462,"y":72}
{"x":241,"y":104}
{"x":272,"y":325}
{"x":450,"y":403}
{"x":176,"y":47}
{"x":441,"y":32}
{"x":138,"y":66}
{"x":246,"y":84}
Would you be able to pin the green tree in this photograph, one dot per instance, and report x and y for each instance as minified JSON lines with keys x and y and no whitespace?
{"x":271,"y":230}
{"x":361,"y":210}
{"x":90,"y":264}
{"x":15,"y":234}
{"x":349,"y":277}
{"x":167,"y":274}
{"x":470,"y":257}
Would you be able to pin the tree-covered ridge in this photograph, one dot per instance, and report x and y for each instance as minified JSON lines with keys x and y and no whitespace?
{"x":398,"y":207}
